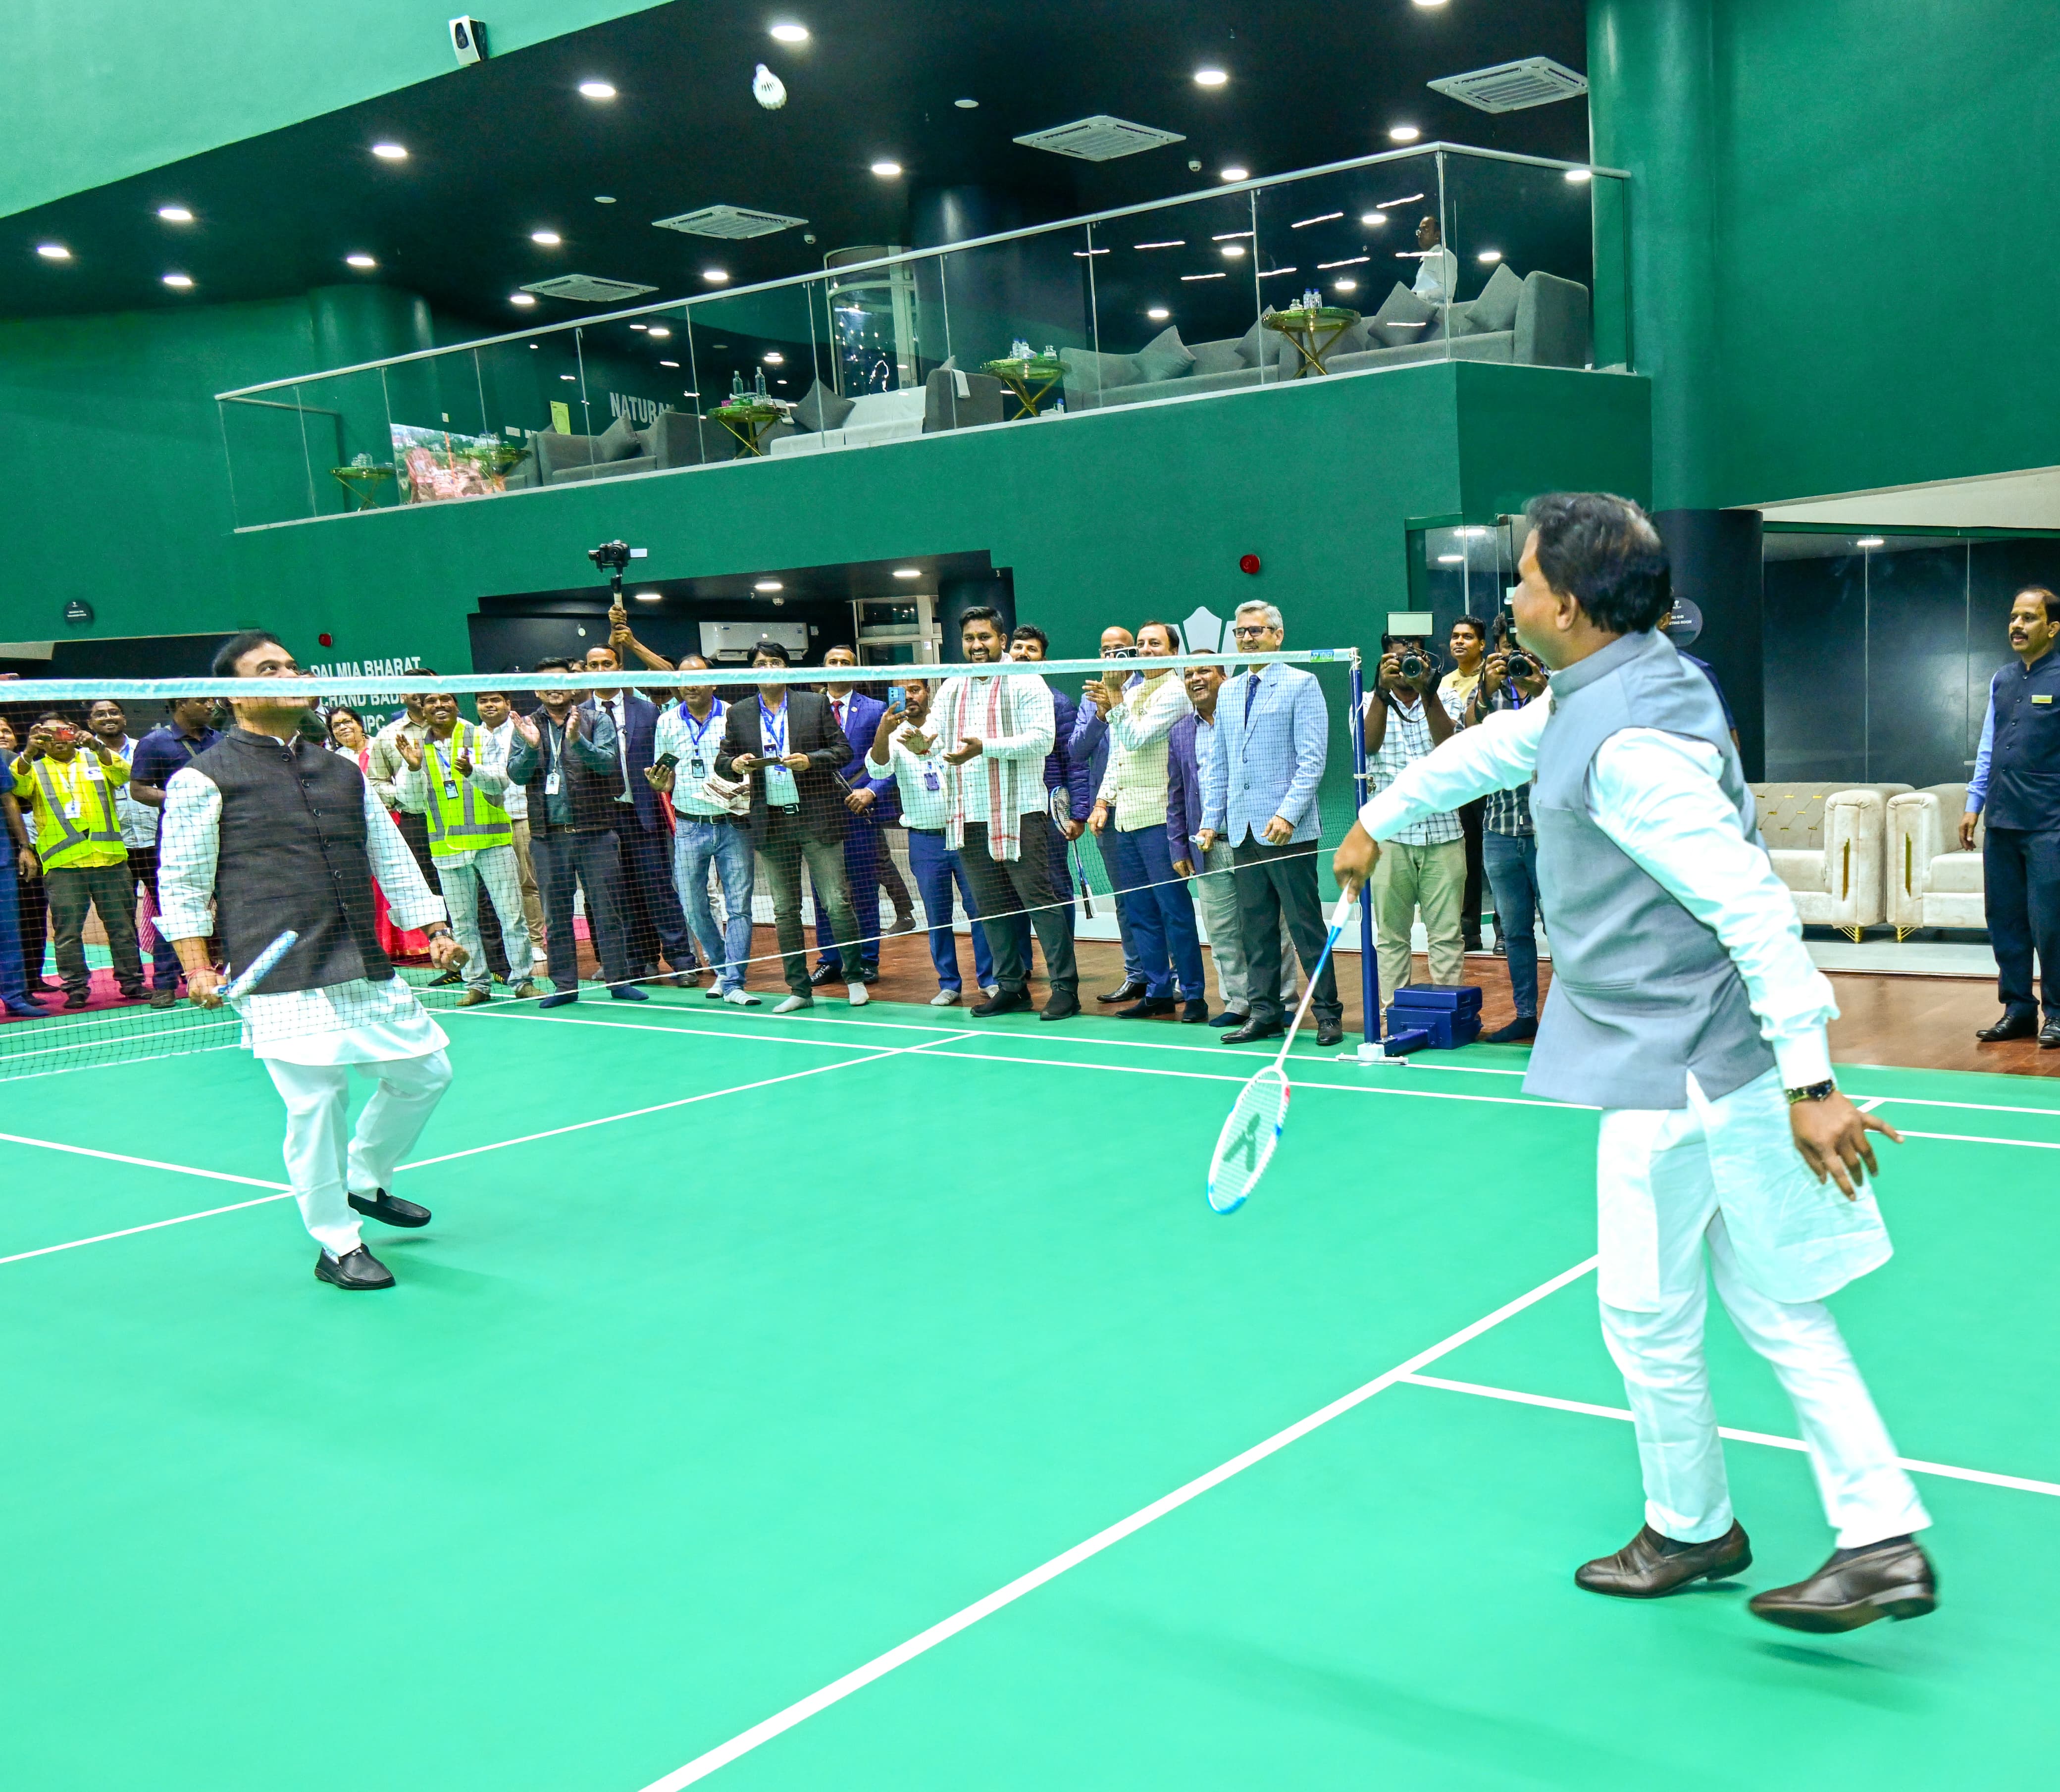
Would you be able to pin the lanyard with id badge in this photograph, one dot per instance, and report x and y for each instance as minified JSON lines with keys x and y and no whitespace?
{"x":697,"y":758}
{"x":553,"y":782}
{"x":780,"y":790}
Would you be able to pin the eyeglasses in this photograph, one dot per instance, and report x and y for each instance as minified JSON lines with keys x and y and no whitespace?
{"x":1252,"y":631}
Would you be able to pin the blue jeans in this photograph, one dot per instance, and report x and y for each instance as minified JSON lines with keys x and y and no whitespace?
{"x":700,"y":842}
{"x":937,"y":869}
{"x":1511,"y":860}
{"x":1162,"y":913}
{"x":13,"y":973}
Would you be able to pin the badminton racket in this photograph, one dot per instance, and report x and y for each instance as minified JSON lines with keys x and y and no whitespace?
{"x":1060,"y":803}
{"x":246,"y":981}
{"x":1245,"y":1146}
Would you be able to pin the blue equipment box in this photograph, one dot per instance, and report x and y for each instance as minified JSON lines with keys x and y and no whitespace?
{"x":1447,"y":1029}
{"x":1453,"y":998}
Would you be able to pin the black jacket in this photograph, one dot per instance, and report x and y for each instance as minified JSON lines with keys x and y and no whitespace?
{"x":811,"y":729}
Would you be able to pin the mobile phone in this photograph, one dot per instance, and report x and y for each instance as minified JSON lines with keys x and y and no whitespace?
{"x":669,"y":760}
{"x":897,"y":696}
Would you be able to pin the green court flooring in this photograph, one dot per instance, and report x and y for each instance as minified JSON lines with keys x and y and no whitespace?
{"x":745,"y":1350}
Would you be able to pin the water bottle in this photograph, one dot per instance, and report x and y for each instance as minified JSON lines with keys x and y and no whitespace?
{"x":737,"y":388}
{"x":758,"y":386}
{"x":1051,"y":353}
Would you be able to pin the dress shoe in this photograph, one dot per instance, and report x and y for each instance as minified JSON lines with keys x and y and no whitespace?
{"x":355,"y":1270}
{"x":2011,"y":1026}
{"x":869,"y":973}
{"x":1194,"y":1012}
{"x":472,"y":998}
{"x":2049,"y":1035}
{"x":1003,"y":1001}
{"x":740,"y":997}
{"x":827,"y":971}
{"x":26,"y":1011}
{"x":1131,"y":989}
{"x":1651,"y":1565}
{"x":390,"y":1209}
{"x":445,"y":981}
{"x":1330,"y":1032}
{"x":1893,"y":1578}
{"x":76,"y":998}
{"x":135,"y":994}
{"x":628,"y":992}
{"x":1230,"y":1017}
{"x":165,"y":997}
{"x":1063,"y":1006}
{"x":945,"y":998}
{"x":1145,"y":1009}
{"x":558,"y":998}
{"x":1522,"y":1027}
{"x":903,"y":924}
{"x":793,"y":1004}
{"x":1254,"y":1029}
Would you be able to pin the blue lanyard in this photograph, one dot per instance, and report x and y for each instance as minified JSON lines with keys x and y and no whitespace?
{"x":698,"y":729}
{"x":771,"y":738}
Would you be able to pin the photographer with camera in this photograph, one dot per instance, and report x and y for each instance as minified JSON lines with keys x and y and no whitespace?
{"x":1426,"y":867}
{"x":1509,"y":678}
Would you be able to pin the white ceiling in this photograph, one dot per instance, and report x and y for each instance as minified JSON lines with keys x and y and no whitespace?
{"x":2027,"y":500}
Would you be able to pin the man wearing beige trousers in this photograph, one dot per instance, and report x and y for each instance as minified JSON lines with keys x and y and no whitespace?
{"x":1423,"y":868}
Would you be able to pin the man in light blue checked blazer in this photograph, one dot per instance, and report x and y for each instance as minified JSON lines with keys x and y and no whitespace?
{"x":1259,"y":792}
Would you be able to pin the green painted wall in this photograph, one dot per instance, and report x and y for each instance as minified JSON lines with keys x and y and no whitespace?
{"x":1844,"y":237}
{"x":99,"y":89}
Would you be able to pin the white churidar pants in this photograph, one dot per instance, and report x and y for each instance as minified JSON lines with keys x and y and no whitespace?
{"x":1669,"y":1163}
{"x":324,"y":1161}
{"x":497,"y":868}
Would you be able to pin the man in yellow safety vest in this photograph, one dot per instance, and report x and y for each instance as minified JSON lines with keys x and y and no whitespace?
{"x":66,"y":781}
{"x":455,"y":779}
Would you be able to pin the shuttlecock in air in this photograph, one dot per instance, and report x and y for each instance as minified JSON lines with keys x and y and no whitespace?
{"x":768,"y":88}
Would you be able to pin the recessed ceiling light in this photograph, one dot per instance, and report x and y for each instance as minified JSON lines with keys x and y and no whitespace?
{"x":181,"y":280}
{"x":690,"y":395}
{"x":767,"y":584}
{"x":359,"y":261}
{"x":659,"y":332}
{"x":550,"y":239}
{"x":521,"y":299}
{"x":596,"y":90}
{"x":1489,"y":255}
{"x":788,"y":32}
{"x":1237,"y":173}
{"x":175,"y":214}
{"x":564,"y":376}
{"x":1344,"y":285}
{"x":1403,"y":133}
{"x":650,"y":596}
{"x":715,"y":276}
{"x":1158,"y":314}
{"x":887,"y":170}
{"x":1579,"y":174}
{"x":640,"y":326}
{"x":536,"y":345}
{"x":907,"y":572}
{"x":1426,"y":5}
{"x":604,"y":199}
{"x":1871,"y":541}
{"x":1451,"y":560}
{"x":967,"y":105}
{"x":1233,"y":249}
{"x":53,"y":252}
{"x":1210,"y":77}
{"x":773,"y":358}
{"x":390,"y":152}
{"x":1373,"y":221}
{"x":668,"y":364}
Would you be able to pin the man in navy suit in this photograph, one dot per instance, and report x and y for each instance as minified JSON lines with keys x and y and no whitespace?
{"x":858,"y":715}
{"x":651,"y":916}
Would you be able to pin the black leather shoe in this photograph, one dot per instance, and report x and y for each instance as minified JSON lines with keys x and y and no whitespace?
{"x":1009,"y":1001}
{"x":2011,"y":1026}
{"x":358,"y":1271}
{"x":1651,"y":1565}
{"x":394,"y":1212}
{"x":1522,"y":1027}
{"x":1063,"y":1006}
{"x":825,"y":972}
{"x":2049,"y":1035}
{"x":869,"y":973}
{"x":1252,"y":1030}
{"x":1145,"y":1009}
{"x":1230,"y":1017}
{"x":558,"y":998}
{"x":1131,"y":989}
{"x":76,"y":998}
{"x":1894,"y":1578}
{"x":1330,"y":1032}
{"x":1194,"y":1013}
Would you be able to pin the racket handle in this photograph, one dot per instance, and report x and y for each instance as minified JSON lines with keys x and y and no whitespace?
{"x":247,"y":979}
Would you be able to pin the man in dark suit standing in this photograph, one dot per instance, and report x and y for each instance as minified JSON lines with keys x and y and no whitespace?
{"x":652,"y":919}
{"x":788,"y":742}
{"x":1062,"y":773}
{"x":857,"y":717}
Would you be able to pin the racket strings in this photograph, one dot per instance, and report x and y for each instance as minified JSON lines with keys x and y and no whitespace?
{"x":1246,"y":1144}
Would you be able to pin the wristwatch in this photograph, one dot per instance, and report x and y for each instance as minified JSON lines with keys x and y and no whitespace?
{"x":1814,"y":1091}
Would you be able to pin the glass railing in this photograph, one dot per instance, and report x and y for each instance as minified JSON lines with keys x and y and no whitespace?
{"x":1439,"y":253}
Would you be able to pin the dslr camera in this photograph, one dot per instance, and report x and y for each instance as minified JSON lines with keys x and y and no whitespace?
{"x":1519,"y":664}
{"x":1415,"y":664}
{"x":611,"y":557}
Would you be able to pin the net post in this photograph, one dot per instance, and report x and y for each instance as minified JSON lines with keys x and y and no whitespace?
{"x":1369,"y":961}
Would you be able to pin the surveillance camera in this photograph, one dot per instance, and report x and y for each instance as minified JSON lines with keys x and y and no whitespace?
{"x":468,"y":39}
{"x":779,"y":603}
{"x":1193,"y":164}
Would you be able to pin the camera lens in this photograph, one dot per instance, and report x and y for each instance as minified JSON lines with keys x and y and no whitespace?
{"x":1414,"y":665}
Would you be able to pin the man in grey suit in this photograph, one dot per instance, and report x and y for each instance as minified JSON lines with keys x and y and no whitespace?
{"x":1259,"y":793}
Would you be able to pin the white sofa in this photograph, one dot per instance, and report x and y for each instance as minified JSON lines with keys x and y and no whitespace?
{"x":1931,"y":883}
{"x":1829,"y":845}
{"x":876,"y":416}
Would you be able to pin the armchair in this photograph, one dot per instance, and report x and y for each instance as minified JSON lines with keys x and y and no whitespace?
{"x":1931,"y":883}
{"x":1828,"y":842}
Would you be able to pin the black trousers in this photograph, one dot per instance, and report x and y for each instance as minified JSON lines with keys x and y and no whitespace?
{"x":564,"y":860}
{"x":2021,"y":886}
{"x":1273,"y":881}
{"x":1005,"y":887}
{"x":787,"y":846}
{"x":1472,"y":817}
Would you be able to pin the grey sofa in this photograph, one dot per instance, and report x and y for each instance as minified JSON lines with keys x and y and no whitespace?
{"x":1538,"y":321}
{"x":672,"y":439}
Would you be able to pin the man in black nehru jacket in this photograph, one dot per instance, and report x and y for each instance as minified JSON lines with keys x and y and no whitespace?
{"x":276,"y":833}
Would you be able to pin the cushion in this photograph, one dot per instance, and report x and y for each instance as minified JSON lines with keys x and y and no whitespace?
{"x":821,"y":409}
{"x":1403,"y":317}
{"x":1088,"y":372}
{"x":1261,"y":347}
{"x":1164,"y":357}
{"x":1955,"y":873}
{"x":618,"y":442}
{"x":1495,"y":309}
{"x":1216,"y":357}
{"x":1459,"y":320}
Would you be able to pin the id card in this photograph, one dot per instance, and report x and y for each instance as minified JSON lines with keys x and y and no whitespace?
{"x":931,"y":780}
{"x":697,"y":767}
{"x":780,"y":790}
{"x":75,"y":808}
{"x":550,"y":784}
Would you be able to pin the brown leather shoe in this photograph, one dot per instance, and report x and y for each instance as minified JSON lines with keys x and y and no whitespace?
{"x":1650,"y":1565}
{"x":1890,"y":1580}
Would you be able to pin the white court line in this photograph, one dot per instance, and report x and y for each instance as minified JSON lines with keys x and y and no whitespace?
{"x":2019,"y":1482}
{"x":1971,"y":1107}
{"x":155,"y":1225}
{"x":1871,"y":1103}
{"x":781,"y":1721}
{"x":1978,"y":1139}
{"x":144,"y":1163}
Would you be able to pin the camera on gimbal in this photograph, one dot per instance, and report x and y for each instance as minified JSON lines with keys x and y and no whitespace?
{"x":611,"y":557}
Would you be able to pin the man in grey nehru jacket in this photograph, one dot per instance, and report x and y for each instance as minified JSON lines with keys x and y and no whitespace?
{"x":1683,"y":1006}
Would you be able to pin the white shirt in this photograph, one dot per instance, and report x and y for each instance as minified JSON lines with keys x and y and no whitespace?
{"x":1657,"y":796}
{"x":610,"y":704}
{"x":690,"y":741}
{"x":919,"y":777}
{"x":1437,"y":276}
{"x":489,"y":777}
{"x":355,"y":1023}
{"x":1028,"y":728}
{"x":139,"y":820}
{"x":1134,"y":785}
{"x":1406,"y":741}
{"x":516,"y":798}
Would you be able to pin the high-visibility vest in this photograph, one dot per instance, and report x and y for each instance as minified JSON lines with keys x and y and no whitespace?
{"x":462,"y":818}
{"x":77,"y":823}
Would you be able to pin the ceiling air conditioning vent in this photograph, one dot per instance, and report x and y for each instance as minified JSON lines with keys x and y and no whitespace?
{"x":1100,"y":138}
{"x":589,"y":289}
{"x":732,"y":223}
{"x":1511,"y":86}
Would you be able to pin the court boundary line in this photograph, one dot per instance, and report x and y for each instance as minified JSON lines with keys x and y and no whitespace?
{"x":923,"y":1641}
{"x":1916,"y":1465}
